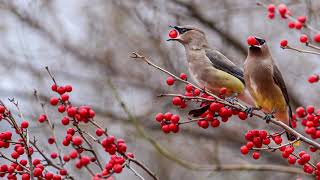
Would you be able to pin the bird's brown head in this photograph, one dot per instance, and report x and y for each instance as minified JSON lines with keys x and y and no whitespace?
{"x":257,"y":46}
{"x":188,"y":36}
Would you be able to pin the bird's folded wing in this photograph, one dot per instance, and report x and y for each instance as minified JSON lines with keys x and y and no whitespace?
{"x":222,"y":63}
{"x":277,"y":77}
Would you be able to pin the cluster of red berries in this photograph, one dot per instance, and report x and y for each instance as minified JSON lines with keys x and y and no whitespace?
{"x":258,"y":138}
{"x":116,"y":148}
{"x":170,"y":122}
{"x":297,"y":24}
{"x":4,"y":138}
{"x":81,"y":114}
{"x":310,"y":119}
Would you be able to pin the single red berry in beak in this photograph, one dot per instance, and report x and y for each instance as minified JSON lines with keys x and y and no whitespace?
{"x":252,"y":41}
{"x":173,"y":33}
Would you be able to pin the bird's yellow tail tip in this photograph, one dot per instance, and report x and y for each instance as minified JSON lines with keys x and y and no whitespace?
{"x":296,"y":144}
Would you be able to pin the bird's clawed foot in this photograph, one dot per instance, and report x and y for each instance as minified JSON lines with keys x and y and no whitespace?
{"x":232,"y":99}
{"x":250,"y":110}
{"x":268,"y":117}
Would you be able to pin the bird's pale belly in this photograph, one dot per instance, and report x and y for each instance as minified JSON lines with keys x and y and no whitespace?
{"x":214,"y":80}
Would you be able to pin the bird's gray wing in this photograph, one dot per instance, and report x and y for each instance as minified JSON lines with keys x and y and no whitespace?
{"x":222,"y":63}
{"x":277,"y":77}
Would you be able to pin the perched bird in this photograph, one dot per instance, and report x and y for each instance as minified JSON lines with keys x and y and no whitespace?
{"x":208,"y":67}
{"x":265,"y":83}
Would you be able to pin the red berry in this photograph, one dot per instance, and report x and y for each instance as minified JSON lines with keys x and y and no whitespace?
{"x":168,"y":116}
{"x":73,"y":154}
{"x":242,"y":115}
{"x":15,"y":155}
{"x":282,"y":8}
{"x":250,"y":144}
{"x":183,"y":76}
{"x":313,"y":149}
{"x":271,"y":8}
{"x":51,"y":140}
{"x":313,"y":78}
{"x":54,"y":87}
{"x":170,"y":80}
{"x":122,"y":147}
{"x":85,"y":160}
{"x":278,"y":140}
{"x":266,"y":141}
{"x":130,"y":155}
{"x":54,"y":155}
{"x":24,"y":124}
{"x":224,"y":112}
{"x":302,"y":19}
{"x":159,"y":117}
{"x":316,"y":38}
{"x":165,"y":129}
{"x":117,"y":168}
{"x":244,"y":150}
{"x":42,"y":118}
{"x":61,"y":108}
{"x":65,"y":121}
{"x":291,"y":159}
{"x":66,"y":158}
{"x":174,"y":127}
{"x":256,"y":155}
{"x":215,"y":107}
{"x":271,"y":15}
{"x":303,"y":38}
{"x":291,"y":25}
{"x":61,"y":90}
{"x":189,"y":88}
{"x":305,"y":157}
{"x":300,"y":112}
{"x":204,"y":124}
{"x":310,"y":109}
{"x":64,"y":97}
{"x":175,"y":119}
{"x":251,"y":40}
{"x":71,"y":111}
{"x":63,"y":172}
{"x":68,"y":88}
{"x":37,"y":172}
{"x":298,"y":25}
{"x":284,"y":43}
{"x":215,"y":123}
{"x":176,"y":101}
{"x":25,"y":176}
{"x":99,"y":132}
{"x":77,"y":140}
{"x":196,"y":92}
{"x":54,"y":101}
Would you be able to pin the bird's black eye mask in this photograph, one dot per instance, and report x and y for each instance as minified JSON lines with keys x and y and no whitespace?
{"x":261,"y":41}
{"x":181,"y":30}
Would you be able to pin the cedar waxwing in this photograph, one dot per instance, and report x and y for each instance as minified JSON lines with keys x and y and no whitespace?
{"x":209,"y":68}
{"x":265,"y":83}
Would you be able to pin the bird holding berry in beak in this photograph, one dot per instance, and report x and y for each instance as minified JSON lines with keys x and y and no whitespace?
{"x":265,"y":83}
{"x":208,"y":67}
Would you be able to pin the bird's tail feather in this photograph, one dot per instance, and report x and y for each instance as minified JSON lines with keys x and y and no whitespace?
{"x":198,"y":112}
